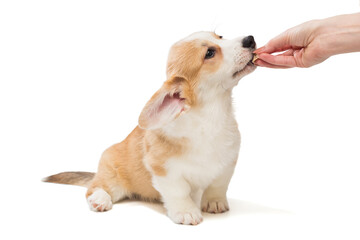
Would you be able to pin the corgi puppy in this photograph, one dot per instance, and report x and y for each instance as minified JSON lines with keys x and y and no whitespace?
{"x":184,"y":150}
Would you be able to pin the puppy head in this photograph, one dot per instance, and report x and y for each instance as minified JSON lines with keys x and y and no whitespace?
{"x":210,"y":61}
{"x":199,"y":67}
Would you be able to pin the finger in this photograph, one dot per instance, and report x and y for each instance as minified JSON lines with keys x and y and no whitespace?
{"x":280,"y":43}
{"x":279,"y":60}
{"x":289,"y":52}
{"x":259,"y":50}
{"x":266,"y":49}
{"x":284,"y":41}
{"x":271,"y":49}
{"x":262,"y":63}
{"x":277,"y":44}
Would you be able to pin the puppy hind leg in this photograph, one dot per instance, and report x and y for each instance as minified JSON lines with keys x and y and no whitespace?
{"x":101,"y":198}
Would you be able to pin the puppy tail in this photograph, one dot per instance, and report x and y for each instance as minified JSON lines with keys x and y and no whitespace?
{"x":82,"y":179}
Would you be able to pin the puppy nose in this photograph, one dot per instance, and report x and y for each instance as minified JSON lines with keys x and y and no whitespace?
{"x":248,"y":42}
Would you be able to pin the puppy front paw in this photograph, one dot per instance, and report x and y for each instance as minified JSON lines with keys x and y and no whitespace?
{"x":99,"y":201}
{"x":188,"y":217}
{"x":217,"y":205}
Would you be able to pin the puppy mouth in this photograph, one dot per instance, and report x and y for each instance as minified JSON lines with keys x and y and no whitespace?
{"x":249,"y":66}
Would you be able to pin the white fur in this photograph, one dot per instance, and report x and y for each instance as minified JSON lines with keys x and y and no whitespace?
{"x":99,"y":201}
{"x":202,"y":174}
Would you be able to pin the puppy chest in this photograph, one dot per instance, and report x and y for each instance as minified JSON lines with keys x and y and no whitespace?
{"x":207,"y":157}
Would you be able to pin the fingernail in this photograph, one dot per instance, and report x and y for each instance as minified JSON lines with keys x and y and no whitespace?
{"x":257,"y":51}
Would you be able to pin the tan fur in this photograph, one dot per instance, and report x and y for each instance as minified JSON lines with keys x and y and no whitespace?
{"x":160,"y":147}
{"x":213,"y":64}
{"x":186,"y":59}
{"x":122,"y":165}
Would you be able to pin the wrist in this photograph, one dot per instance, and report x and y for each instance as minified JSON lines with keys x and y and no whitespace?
{"x":340,"y":34}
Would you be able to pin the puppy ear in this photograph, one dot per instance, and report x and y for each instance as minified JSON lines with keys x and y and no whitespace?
{"x":171,"y":100}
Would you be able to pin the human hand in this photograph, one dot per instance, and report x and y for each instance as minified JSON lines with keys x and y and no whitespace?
{"x":312,"y":42}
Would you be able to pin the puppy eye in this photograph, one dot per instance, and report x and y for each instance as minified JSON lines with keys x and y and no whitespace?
{"x":210,"y":53}
{"x":220,"y":37}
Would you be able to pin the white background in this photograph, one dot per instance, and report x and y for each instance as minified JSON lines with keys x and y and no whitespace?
{"x":74,"y":76}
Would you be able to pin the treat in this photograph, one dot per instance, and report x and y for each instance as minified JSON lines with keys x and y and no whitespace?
{"x":255,"y":57}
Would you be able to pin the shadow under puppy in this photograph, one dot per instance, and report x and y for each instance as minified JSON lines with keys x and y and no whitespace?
{"x":184,"y":150}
